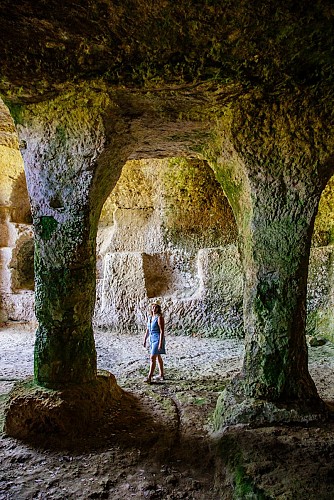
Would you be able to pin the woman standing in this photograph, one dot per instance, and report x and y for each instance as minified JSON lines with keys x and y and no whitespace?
{"x":156,"y":332}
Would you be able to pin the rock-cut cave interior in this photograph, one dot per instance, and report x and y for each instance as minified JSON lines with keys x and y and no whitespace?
{"x":179,"y":153}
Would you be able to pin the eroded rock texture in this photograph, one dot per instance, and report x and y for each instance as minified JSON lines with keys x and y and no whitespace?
{"x":34,"y":411}
{"x":245,"y":88}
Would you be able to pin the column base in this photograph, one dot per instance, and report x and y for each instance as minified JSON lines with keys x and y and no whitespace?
{"x":34,"y":412}
{"x":235,"y":407}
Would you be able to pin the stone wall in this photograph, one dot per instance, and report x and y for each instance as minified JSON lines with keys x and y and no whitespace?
{"x":320,"y":316}
{"x":16,"y":236}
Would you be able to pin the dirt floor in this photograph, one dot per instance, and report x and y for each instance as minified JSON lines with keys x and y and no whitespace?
{"x":158,"y":441}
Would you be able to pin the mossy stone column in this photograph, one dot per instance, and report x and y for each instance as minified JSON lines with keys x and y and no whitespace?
{"x":64,"y":295}
{"x":69,"y":173}
{"x":59,"y":161}
{"x":275,"y":203}
{"x":276,"y":253}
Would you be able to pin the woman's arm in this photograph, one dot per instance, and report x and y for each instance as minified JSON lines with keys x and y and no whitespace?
{"x":145,"y":338}
{"x":161,"y":323}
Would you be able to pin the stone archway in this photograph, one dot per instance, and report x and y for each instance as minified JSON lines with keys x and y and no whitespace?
{"x":167,"y":232}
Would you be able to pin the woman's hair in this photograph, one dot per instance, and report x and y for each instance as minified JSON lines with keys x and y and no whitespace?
{"x":158,"y":307}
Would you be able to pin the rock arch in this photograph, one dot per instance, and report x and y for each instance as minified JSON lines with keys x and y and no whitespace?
{"x":167,"y":232}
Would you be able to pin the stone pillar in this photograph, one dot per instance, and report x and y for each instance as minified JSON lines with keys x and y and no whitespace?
{"x":69,"y":172}
{"x":276,"y":254}
{"x":275,"y":191}
{"x":64,"y":300}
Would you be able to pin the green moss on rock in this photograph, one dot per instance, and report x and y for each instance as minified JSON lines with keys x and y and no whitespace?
{"x":196,"y":211}
{"x":47,"y":225}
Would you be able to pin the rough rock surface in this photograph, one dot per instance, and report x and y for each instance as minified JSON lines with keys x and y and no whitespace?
{"x":34,"y":411}
{"x":16,"y":258}
{"x":167,"y":233}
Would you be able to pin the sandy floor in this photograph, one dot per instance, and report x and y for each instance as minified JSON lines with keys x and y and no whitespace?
{"x":124,"y":355}
{"x":170,"y":464}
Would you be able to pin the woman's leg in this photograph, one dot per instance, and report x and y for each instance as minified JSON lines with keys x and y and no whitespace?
{"x":161,"y":366}
{"x":153,"y":362}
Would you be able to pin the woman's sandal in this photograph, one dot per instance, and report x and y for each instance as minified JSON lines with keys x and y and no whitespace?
{"x":148,"y":381}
